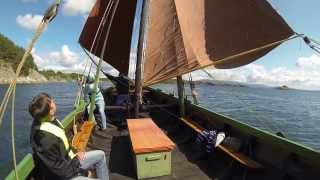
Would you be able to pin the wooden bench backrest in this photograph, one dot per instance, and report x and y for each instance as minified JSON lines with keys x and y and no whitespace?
{"x":80,"y":140}
{"x":243,"y":159}
{"x":147,"y":137}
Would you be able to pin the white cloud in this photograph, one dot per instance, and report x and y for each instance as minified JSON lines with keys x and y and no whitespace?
{"x":312,"y":62}
{"x":304,"y":76}
{"x":77,"y":7}
{"x":63,"y":60}
{"x":41,"y":62}
{"x":65,"y":57}
{"x":66,"y":60}
{"x":29,"y":21}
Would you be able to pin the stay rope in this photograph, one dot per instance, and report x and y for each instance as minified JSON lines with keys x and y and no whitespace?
{"x":104,"y":47}
{"x":11,"y":91}
{"x":313,"y":44}
{"x":83,"y":78}
{"x":102,"y":22}
{"x":13,"y":134}
{"x":193,"y":90}
{"x":226,"y":59}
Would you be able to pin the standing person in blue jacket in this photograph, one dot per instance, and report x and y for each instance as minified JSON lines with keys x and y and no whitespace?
{"x":99,"y":100}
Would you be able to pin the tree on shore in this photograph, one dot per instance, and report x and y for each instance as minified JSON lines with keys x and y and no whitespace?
{"x":11,"y":53}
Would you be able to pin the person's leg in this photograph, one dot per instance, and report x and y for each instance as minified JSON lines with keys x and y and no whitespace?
{"x":101,"y":107}
{"x":97,"y":160}
{"x":88,"y":112}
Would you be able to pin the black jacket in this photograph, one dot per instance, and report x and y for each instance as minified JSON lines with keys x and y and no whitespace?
{"x":51,"y":157}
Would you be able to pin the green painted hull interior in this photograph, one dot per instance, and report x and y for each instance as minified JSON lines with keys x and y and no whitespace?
{"x":308,"y":155}
{"x":153,"y":164}
{"x":26,"y":165}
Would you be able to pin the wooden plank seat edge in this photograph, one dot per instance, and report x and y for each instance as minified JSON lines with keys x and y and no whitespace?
{"x":80,"y":140}
{"x":240,"y":157}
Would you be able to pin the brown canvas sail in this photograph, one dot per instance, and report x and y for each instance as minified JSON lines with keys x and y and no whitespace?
{"x":185,"y":35}
{"x":119,"y":42}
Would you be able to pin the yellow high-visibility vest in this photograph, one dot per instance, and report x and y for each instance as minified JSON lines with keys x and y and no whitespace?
{"x":58,"y":132}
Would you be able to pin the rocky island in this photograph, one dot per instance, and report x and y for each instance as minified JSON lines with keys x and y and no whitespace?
{"x":283,"y":87}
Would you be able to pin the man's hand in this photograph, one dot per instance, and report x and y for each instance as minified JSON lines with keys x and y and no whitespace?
{"x":81,"y":155}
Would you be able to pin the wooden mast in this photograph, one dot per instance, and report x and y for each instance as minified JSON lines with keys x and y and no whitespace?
{"x":181,"y":95}
{"x":140,"y":56}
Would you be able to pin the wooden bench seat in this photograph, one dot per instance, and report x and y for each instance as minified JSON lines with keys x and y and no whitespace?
{"x":151,"y":148}
{"x":240,"y":157}
{"x":147,"y":137}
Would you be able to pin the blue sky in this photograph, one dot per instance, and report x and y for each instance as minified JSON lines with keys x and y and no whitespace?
{"x":64,"y":29}
{"x":303,"y":17}
{"x":58,"y":47}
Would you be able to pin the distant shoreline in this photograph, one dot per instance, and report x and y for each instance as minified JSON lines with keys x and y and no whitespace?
{"x":7,"y":75}
{"x":37,"y":82}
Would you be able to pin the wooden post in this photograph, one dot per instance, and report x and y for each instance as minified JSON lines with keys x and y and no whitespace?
{"x":181,"y":95}
{"x":140,"y":56}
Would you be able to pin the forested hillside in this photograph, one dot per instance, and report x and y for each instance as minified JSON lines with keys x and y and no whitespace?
{"x":11,"y":54}
{"x":59,"y":76}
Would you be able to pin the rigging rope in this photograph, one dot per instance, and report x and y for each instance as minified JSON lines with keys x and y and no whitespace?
{"x":231,"y":57}
{"x":92,"y":60}
{"x":9,"y":91}
{"x":49,"y":15}
{"x":92,"y":48}
{"x":208,"y":74}
{"x":100,"y":61}
{"x":251,"y":51}
{"x":101,"y":24}
{"x":13,"y":134}
{"x":83,"y":79}
{"x":313,"y":44}
{"x":193,"y":90}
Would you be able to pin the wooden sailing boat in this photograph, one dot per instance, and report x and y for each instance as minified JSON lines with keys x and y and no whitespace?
{"x":177,"y":37}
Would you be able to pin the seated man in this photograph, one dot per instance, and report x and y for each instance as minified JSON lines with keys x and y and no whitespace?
{"x":52,"y":152}
{"x":99,"y":100}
